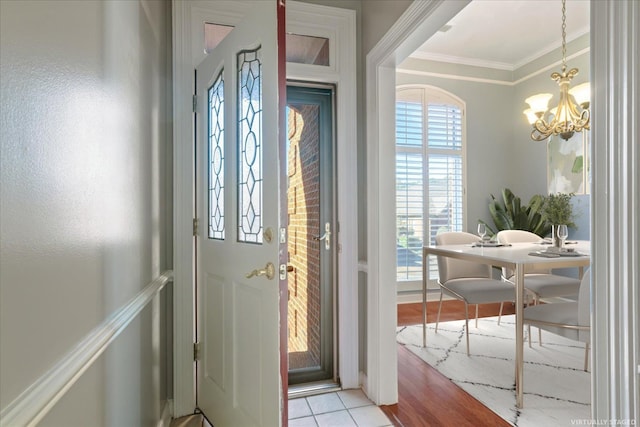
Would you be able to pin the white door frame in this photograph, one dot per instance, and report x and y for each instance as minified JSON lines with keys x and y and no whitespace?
{"x":339,"y":25}
{"x":615,"y":201}
{"x":421,"y":20}
{"x":615,"y":208}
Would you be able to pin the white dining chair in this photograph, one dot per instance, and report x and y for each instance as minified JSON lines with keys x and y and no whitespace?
{"x":568,"y":319}
{"x":467,"y":281}
{"x":540,"y":283}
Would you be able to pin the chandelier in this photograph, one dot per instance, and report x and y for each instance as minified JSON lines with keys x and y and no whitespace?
{"x":572,"y":113}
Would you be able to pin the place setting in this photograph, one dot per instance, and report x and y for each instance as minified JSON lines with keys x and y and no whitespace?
{"x":485,"y":242}
{"x":554,"y":251}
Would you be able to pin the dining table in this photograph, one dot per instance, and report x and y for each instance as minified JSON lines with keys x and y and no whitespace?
{"x":518,"y":257}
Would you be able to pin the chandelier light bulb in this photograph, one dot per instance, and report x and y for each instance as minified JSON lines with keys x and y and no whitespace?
{"x":582,"y":94}
{"x":538,"y":103}
{"x":531,"y":116}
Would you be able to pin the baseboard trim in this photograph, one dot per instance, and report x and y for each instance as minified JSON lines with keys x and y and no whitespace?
{"x":36,"y":401}
{"x":416,"y":297}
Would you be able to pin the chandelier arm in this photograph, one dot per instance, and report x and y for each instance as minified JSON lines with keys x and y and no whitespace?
{"x":537,"y":136}
{"x":543,"y":127}
{"x":585,"y":118}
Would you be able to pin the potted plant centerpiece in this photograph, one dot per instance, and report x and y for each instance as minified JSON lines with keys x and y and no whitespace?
{"x":557,"y":210}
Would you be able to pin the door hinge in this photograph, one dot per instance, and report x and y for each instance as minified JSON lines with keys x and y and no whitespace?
{"x":194,"y":102}
{"x":196,"y":350}
{"x":195,"y":226}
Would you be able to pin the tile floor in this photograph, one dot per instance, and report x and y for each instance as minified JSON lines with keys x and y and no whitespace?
{"x":347,"y":408}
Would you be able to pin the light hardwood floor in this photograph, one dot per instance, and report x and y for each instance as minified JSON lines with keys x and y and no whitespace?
{"x":426,"y":397}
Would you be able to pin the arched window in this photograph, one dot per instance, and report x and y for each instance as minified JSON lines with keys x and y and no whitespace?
{"x":430,"y":173}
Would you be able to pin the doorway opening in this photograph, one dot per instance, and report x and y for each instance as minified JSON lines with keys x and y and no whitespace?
{"x":311,"y":244}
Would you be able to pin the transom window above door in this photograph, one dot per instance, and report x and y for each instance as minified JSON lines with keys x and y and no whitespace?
{"x":301,"y":49}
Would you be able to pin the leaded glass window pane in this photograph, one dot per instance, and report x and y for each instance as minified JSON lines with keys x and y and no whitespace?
{"x":250,"y":146}
{"x":216,"y":158}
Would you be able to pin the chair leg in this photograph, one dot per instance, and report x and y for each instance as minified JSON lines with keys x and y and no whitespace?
{"x":529,"y":334}
{"x":536,"y":301}
{"x":500,"y":314}
{"x":586,"y":357}
{"x":439,"y":308}
{"x":477,"y":315}
{"x":466,"y":321}
{"x":531,"y":298}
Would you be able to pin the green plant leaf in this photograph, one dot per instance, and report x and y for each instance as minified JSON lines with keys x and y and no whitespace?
{"x":500,"y":216}
{"x":509,"y":213}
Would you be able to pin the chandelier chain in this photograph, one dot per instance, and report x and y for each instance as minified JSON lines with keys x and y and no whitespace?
{"x":564,"y":37}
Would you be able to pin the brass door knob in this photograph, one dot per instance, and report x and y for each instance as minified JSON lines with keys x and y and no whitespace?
{"x":269,"y":271}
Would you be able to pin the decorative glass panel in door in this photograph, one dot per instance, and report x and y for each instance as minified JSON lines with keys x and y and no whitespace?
{"x":250,"y":146}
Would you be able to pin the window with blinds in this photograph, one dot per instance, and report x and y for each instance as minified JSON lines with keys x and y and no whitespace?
{"x":429,"y":174}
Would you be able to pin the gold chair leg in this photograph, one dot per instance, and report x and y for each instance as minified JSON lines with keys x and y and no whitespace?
{"x":535,"y":302}
{"x":539,"y":330}
{"x":466,"y":321}
{"x":439,"y":308}
{"x":477,"y":315}
{"x":540,"y":337}
{"x":586,"y":357}
{"x":500,"y":314}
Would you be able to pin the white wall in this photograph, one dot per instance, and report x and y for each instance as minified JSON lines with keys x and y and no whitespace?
{"x":85,"y":198}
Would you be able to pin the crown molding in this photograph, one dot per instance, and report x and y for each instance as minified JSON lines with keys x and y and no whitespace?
{"x":452,"y":59}
{"x":550,"y":48}
{"x":497,"y":65}
{"x":454,"y":77}
{"x":552,"y":65}
{"x":449,"y":76}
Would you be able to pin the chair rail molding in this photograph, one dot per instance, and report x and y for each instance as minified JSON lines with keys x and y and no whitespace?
{"x":615,"y":221}
{"x":36,"y":401}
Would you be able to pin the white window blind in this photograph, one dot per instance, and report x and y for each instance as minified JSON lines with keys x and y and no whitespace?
{"x":429,"y":174}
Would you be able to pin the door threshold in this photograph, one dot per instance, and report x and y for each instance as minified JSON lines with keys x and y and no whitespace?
{"x":311,"y":389}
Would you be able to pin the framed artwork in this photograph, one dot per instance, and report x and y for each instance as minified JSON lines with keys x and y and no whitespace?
{"x":568,"y":164}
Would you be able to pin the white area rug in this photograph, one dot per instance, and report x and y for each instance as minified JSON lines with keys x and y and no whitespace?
{"x":556,"y":389}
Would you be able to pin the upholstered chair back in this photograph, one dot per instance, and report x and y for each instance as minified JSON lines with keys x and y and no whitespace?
{"x":451,"y":268}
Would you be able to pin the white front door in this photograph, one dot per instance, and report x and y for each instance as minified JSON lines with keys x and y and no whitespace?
{"x":240,"y":376}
